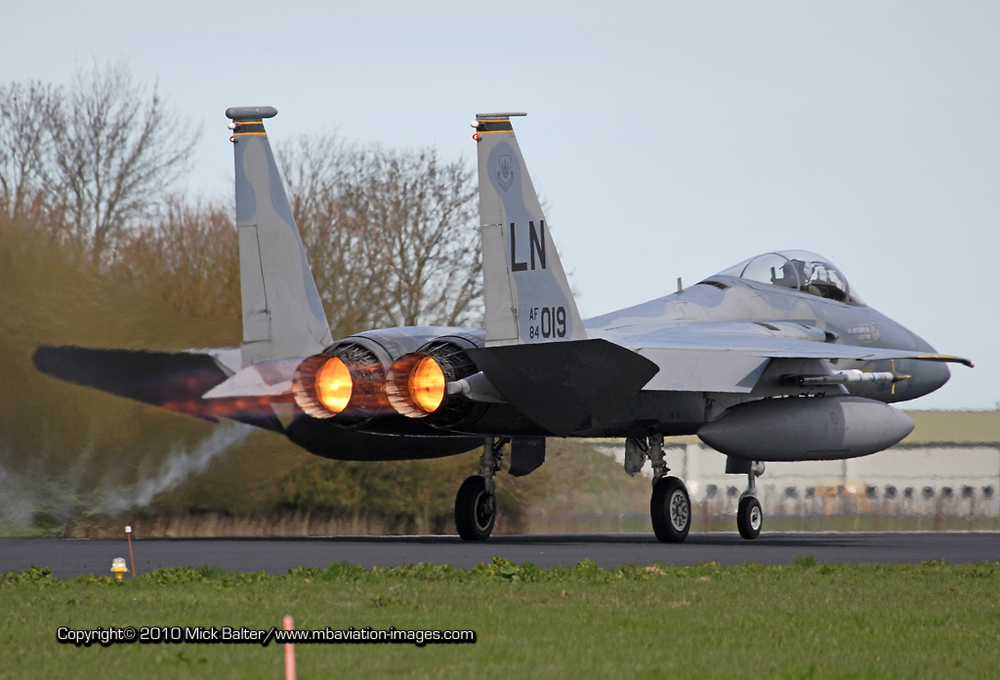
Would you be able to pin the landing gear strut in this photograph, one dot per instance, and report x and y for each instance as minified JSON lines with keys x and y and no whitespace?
{"x":749,"y":516}
{"x":476,"y":503}
{"x":670,"y":505}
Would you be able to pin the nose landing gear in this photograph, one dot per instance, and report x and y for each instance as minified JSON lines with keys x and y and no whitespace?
{"x":749,"y":516}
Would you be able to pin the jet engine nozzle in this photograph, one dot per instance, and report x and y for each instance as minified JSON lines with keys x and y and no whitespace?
{"x":347,"y":383}
{"x":334,"y":385}
{"x":416,"y":385}
{"x":323,"y":386}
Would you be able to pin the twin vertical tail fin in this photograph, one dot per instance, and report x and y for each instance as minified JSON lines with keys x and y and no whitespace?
{"x":282,"y":313}
{"x":537,"y":354}
{"x":528,"y":299}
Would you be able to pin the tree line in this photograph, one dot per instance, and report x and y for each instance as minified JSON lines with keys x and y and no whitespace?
{"x":100,"y":246}
{"x":391,"y":234}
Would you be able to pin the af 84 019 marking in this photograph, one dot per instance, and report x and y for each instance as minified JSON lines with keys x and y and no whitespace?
{"x":547,"y":322}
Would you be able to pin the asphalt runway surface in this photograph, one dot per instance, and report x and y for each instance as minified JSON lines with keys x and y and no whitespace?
{"x":73,"y":557}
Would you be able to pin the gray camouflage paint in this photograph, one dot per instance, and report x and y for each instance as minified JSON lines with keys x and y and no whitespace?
{"x":721,"y":347}
{"x":524,"y":287}
{"x":282,"y":313}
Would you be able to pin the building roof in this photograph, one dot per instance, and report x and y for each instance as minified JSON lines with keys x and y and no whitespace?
{"x":955,"y":427}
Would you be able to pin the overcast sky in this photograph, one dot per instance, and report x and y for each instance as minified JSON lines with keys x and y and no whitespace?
{"x":667,"y":139}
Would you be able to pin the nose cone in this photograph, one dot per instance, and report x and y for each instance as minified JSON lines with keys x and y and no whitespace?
{"x":926,"y":376}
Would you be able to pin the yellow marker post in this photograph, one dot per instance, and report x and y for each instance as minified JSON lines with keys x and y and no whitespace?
{"x":118,"y":567}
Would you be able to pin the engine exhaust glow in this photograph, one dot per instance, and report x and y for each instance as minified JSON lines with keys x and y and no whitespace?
{"x":416,"y":385}
{"x":347,"y":382}
{"x":334,"y":385}
{"x":426,"y":385}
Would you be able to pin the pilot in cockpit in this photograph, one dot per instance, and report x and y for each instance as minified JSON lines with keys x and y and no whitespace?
{"x":794,"y":274}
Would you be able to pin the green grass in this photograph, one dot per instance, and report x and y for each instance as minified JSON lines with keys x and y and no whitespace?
{"x":804,"y":620}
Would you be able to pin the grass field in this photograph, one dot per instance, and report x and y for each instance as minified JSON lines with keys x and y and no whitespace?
{"x":806,"y":620}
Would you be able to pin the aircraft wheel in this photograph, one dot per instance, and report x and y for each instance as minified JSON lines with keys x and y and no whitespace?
{"x":749,"y":518}
{"x":670,"y":510}
{"x":475,"y":510}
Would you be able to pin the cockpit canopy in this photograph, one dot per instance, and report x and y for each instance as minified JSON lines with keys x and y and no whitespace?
{"x":799,"y":270}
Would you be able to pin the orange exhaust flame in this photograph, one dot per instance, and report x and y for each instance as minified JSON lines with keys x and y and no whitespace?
{"x":255,"y":410}
{"x":416,"y":385}
{"x":334,"y":385}
{"x":426,"y":384}
{"x":326,"y":386}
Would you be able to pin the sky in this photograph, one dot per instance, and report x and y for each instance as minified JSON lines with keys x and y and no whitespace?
{"x":667,"y":140}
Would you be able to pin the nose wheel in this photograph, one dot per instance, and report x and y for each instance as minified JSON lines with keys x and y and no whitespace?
{"x":749,"y":517}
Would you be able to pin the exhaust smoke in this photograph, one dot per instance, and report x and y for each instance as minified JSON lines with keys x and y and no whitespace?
{"x":179,"y":465}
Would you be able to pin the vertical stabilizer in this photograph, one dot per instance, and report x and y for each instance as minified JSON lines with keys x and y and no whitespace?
{"x":528,"y":299}
{"x":282,"y":313}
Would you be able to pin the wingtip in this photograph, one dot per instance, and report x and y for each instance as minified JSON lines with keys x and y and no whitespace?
{"x":947,"y":358}
{"x":962,"y":360}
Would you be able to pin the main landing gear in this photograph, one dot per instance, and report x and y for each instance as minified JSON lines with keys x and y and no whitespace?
{"x":670,"y":505}
{"x":476,"y":503}
{"x":749,"y":516}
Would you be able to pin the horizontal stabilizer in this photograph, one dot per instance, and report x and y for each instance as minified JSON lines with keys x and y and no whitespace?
{"x":266,"y":379}
{"x":559,"y":384}
{"x":175,"y":381}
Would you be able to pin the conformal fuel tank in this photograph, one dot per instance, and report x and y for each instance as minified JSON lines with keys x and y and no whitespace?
{"x":806,"y":428}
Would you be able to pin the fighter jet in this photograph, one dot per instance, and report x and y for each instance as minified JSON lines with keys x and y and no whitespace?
{"x":774,"y":359}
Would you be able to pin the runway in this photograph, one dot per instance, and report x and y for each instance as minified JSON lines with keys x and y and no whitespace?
{"x":73,"y":557}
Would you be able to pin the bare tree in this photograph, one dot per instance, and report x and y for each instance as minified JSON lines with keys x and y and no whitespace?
{"x":391,"y":235}
{"x":320,"y":174}
{"x":423,"y":212}
{"x":29,"y":112}
{"x":117,"y":150}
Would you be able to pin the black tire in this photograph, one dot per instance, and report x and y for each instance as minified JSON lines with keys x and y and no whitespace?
{"x":670,"y":510}
{"x":475,"y":510}
{"x":749,"y":518}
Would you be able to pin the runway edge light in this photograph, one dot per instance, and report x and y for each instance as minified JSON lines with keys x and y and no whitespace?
{"x":118,"y":567}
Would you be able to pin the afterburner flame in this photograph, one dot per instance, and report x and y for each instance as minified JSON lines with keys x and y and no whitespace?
{"x":334,"y":385}
{"x":415,"y":385}
{"x":426,"y":385}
